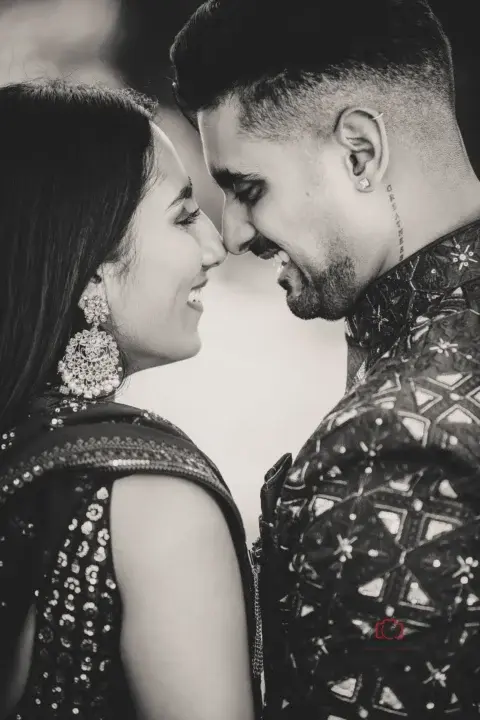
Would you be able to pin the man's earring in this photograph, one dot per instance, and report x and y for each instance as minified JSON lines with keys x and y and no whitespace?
{"x":91,"y":365}
{"x":364,"y":184}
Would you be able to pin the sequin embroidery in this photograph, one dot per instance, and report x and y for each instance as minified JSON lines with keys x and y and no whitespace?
{"x":76,"y":668}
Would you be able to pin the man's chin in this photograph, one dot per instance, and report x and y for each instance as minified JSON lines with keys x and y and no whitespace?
{"x":302,"y":301}
{"x":310,"y":305}
{"x":330,"y":297}
{"x":302,"y":310}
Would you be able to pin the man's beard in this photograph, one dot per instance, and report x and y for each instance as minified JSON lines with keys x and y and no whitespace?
{"x":329,"y":295}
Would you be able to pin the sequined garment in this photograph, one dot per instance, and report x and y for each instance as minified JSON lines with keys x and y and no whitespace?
{"x":370,"y":577}
{"x":62,"y":464}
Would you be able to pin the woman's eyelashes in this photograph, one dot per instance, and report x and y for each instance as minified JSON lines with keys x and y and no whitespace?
{"x":185,"y":220}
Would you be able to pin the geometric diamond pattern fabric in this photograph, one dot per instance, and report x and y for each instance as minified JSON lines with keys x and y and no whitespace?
{"x":376,"y":528}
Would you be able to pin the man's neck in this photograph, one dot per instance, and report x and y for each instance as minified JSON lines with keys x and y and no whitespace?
{"x":428,"y":215}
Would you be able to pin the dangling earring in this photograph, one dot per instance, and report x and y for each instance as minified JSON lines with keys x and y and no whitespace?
{"x":91,"y":365}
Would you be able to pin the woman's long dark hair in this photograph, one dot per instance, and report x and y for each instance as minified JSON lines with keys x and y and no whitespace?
{"x":75,"y":162}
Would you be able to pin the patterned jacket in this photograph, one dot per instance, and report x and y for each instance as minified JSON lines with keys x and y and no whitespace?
{"x":370,"y":581}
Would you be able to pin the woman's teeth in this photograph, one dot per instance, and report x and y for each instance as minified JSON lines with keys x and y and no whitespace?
{"x":195,"y":296}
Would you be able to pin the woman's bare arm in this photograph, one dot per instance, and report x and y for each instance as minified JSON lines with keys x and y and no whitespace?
{"x":184,"y":633}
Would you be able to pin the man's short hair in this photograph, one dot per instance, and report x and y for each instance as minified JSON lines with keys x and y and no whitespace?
{"x":277,"y":56}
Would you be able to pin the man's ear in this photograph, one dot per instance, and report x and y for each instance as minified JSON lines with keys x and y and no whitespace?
{"x":362,"y":134}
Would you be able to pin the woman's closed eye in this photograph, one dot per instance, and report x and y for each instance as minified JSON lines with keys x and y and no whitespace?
{"x":187,"y":219}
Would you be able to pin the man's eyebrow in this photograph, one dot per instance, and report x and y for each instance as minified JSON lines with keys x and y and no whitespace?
{"x":186,"y":193}
{"x":227,"y":178}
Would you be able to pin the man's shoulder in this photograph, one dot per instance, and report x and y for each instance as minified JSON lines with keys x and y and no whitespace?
{"x":424,"y":393}
{"x":443,"y":338}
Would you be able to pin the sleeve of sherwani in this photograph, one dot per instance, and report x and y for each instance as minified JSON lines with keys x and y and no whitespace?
{"x":376,"y":524}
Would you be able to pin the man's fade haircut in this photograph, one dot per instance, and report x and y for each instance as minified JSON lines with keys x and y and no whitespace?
{"x":294,"y":65}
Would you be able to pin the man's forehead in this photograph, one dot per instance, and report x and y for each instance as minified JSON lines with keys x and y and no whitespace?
{"x":228,"y":149}
{"x":220,"y":128}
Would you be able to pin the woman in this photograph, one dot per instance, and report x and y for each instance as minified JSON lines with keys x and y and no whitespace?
{"x":125,"y":584}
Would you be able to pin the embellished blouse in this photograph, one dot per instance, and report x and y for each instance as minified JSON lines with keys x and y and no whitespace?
{"x":370,"y":539}
{"x":56,"y":476}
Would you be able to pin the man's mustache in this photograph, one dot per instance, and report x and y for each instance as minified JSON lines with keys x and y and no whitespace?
{"x":263,"y":248}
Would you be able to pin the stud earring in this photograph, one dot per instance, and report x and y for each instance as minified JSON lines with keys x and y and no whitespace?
{"x":364,"y":183}
{"x":91,"y":365}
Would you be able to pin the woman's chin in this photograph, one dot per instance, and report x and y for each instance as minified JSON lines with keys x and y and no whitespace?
{"x":190,"y":350}
{"x":188,"y":347}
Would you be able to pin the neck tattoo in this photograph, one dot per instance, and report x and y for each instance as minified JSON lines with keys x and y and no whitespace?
{"x":398,"y":222}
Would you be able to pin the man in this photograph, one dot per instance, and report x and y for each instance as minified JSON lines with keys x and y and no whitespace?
{"x":331,"y":129}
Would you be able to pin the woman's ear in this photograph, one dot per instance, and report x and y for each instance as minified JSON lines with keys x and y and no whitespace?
{"x":95,"y":287}
{"x":362,"y":134}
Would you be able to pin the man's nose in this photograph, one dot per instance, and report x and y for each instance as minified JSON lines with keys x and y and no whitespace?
{"x":238,"y":232}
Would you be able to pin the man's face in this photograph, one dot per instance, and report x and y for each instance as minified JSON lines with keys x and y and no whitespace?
{"x":296,"y":200}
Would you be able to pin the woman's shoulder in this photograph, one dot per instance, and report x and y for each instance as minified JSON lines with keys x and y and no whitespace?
{"x":164,"y":508}
{"x":90,"y":445}
{"x":107,"y":437}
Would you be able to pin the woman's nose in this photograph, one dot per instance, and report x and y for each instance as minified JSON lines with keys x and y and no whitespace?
{"x":213,"y":249}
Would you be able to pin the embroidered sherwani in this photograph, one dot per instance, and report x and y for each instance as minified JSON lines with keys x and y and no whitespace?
{"x":370,"y":549}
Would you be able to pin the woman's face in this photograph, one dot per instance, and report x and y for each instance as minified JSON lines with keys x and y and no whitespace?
{"x":156,"y":304}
